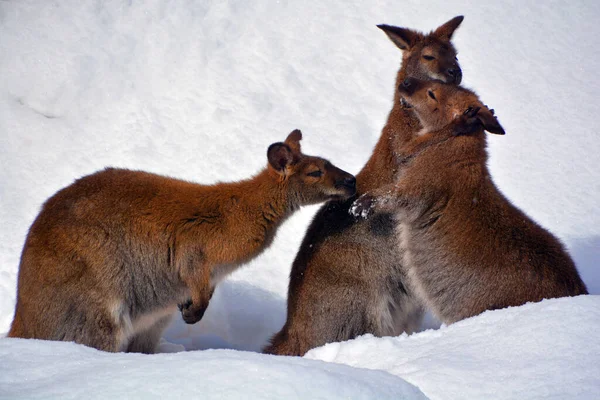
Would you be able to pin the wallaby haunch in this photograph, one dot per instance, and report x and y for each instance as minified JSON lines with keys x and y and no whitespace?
{"x":465,"y":247}
{"x":347,"y":279}
{"x":109,"y":257}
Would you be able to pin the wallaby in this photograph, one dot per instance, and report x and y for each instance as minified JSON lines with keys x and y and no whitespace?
{"x":109,"y":257}
{"x":465,"y":247}
{"x":347,"y":279}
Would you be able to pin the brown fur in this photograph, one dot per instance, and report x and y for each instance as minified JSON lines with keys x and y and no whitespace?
{"x":109,"y":257}
{"x":346,"y":281}
{"x":465,"y":247}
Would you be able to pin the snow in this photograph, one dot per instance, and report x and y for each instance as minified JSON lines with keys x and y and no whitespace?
{"x":539,"y":350}
{"x":198,"y":89}
{"x":40,"y":369}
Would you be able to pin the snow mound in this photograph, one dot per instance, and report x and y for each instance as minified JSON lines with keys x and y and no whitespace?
{"x":42,"y":369}
{"x":540,"y":350}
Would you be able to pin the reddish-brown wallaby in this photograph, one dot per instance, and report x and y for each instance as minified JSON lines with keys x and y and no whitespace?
{"x":465,"y":247}
{"x":109,"y":257}
{"x":347,"y":279}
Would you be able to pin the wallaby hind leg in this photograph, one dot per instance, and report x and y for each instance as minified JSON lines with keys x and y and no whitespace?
{"x":65,"y":318}
{"x":147,"y":341}
{"x":94,"y":329}
{"x":408,"y":317}
{"x":336,"y":312}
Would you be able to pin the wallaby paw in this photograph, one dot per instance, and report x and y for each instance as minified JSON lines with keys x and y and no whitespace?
{"x":363,"y":206}
{"x":468,"y":122}
{"x":191,"y":313}
{"x":187,"y":304}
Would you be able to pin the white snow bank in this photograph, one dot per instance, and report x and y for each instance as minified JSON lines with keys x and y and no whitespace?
{"x":36,"y":369}
{"x":546,"y":350}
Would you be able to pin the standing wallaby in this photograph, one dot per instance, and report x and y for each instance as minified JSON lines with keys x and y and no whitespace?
{"x":109,"y":257}
{"x":465,"y":247}
{"x":347,"y":279}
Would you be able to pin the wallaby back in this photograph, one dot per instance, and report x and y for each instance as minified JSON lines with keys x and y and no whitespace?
{"x":466,"y":248}
{"x":345,"y":281}
{"x":109,"y":257}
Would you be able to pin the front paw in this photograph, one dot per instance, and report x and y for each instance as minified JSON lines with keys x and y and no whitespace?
{"x":363,"y":206}
{"x":468,"y":122}
{"x":190,"y":312}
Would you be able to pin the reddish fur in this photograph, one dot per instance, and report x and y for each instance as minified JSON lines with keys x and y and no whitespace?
{"x":110,"y":256}
{"x":466,"y":248}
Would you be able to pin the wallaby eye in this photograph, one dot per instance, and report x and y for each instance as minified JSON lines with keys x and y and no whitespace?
{"x":429,"y":58}
{"x":315,"y":174}
{"x":430,"y":93}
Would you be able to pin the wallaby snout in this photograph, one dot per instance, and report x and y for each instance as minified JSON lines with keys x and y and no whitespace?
{"x":408,"y":86}
{"x":454,"y":74}
{"x":346,"y":182}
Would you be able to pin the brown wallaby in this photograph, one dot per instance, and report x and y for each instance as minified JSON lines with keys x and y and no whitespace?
{"x":110,"y":256}
{"x":347,"y":279}
{"x":465,"y":247}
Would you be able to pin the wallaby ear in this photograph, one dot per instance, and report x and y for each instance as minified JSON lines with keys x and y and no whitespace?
{"x":489,"y":121}
{"x":402,"y":37}
{"x":446,"y":30}
{"x":280,"y":156}
{"x":293,"y":140}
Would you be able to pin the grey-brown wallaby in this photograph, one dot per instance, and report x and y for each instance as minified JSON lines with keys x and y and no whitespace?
{"x":347,"y":278}
{"x":464,"y":246}
{"x":109,"y":257}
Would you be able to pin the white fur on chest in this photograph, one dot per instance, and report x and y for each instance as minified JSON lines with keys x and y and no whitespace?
{"x":129,"y":327}
{"x":404,"y":235}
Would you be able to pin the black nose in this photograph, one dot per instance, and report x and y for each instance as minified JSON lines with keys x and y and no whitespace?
{"x":407,"y":86}
{"x":455,"y":74}
{"x":351,"y":181}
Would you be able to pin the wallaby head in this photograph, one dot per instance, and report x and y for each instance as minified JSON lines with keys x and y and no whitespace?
{"x":427,"y":56}
{"x":311,"y":179}
{"x":439,"y":104}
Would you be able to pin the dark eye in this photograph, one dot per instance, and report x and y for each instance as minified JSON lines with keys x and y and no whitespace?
{"x":430,"y":93}
{"x":429,"y":58}
{"x":316,"y":174}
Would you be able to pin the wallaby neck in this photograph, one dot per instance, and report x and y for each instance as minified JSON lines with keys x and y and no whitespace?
{"x":400,"y":127}
{"x":269,"y":193}
{"x":463,"y":150}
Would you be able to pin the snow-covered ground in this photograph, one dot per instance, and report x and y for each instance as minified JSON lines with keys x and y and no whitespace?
{"x":198,"y":89}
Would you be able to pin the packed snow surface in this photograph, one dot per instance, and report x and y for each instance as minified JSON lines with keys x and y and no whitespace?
{"x":198,"y":89}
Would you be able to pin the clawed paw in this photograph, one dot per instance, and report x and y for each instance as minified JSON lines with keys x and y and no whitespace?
{"x":190,"y":312}
{"x":468,"y":122}
{"x":363,"y":206}
{"x":185,"y":305}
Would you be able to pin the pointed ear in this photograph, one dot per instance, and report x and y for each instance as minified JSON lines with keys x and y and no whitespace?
{"x":279,"y":156}
{"x":293,"y":140}
{"x":489,"y":121}
{"x":446,"y":30}
{"x":402,"y":37}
